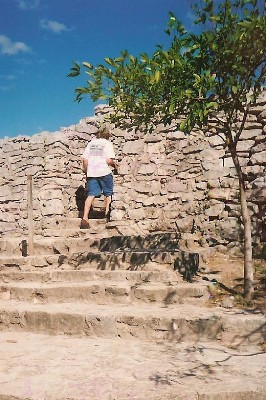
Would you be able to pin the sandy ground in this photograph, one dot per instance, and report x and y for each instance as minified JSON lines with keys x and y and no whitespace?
{"x":35,"y":366}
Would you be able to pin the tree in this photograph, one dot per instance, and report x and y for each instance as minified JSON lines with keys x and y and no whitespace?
{"x":210,"y":78}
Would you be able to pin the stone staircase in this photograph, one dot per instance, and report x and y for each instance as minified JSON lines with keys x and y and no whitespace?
{"x":93,"y":315}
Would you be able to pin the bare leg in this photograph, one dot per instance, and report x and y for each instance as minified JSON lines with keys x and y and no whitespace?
{"x":87,"y":207}
{"x":107,"y":202}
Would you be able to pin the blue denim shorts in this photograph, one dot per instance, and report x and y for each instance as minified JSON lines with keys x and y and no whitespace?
{"x":98,"y":185}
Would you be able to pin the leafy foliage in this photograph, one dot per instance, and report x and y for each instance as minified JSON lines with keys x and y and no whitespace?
{"x":198,"y":75}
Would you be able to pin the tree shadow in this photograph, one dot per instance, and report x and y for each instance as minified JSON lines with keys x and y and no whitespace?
{"x":201,"y":362}
{"x":187,"y":265}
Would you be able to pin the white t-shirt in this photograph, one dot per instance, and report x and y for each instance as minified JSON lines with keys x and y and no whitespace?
{"x":96,"y":152}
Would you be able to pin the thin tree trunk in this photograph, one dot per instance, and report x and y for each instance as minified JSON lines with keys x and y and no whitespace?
{"x":248,"y":264}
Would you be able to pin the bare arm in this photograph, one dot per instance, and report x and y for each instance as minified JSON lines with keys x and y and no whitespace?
{"x":84,"y":165}
{"x":112,"y":163}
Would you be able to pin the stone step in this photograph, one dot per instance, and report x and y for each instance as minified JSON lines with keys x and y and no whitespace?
{"x":148,"y":322}
{"x":97,"y":227}
{"x":18,"y":263}
{"x":89,"y":275}
{"x":186,"y":263}
{"x":105,"y":292}
{"x":97,"y":217}
{"x":45,"y":238}
{"x":62,"y":368}
{"x":165,"y":241}
{"x":45,"y":244}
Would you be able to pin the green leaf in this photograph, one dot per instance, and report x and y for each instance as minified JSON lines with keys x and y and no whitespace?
{"x":171,"y":108}
{"x":87,"y":65}
{"x":109,"y":61}
{"x":73,"y":74}
{"x":182,"y":125}
{"x":157,"y":76}
{"x":212,"y":104}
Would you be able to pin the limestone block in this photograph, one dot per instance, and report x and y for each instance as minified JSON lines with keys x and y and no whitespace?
{"x":56,"y":151}
{"x":155,"y":187}
{"x":216,"y":140}
{"x":258,"y":148}
{"x":6,"y":227}
{"x":192,"y":174}
{"x":259,"y":182}
{"x":175,"y":186}
{"x":53,"y":207}
{"x":163,"y":172}
{"x":245,"y":145}
{"x":194,"y":148}
{"x":229,"y":182}
{"x":141,"y":187}
{"x":134,"y":147}
{"x":215,"y":174}
{"x":262,"y":115}
{"x":228,"y":162}
{"x":258,"y":109}
{"x":181,"y":144}
{"x":54,"y":138}
{"x":258,"y":158}
{"x":157,"y":159}
{"x":253,"y":169}
{"x":214,"y":211}
{"x":152,"y":137}
{"x":258,"y":195}
{"x":228,"y":229}
{"x":147,"y":169}
{"x":154,"y":201}
{"x":211,"y":154}
{"x":201,"y":185}
{"x":125,"y":167}
{"x":50,"y":194}
{"x":6,"y":191}
{"x":32,"y":170}
{"x":184,"y":224}
{"x":118,"y":215}
{"x":248,"y":134}
{"x":86,"y":128}
{"x":53,"y":163}
{"x":136,"y":215}
{"x":251,"y":118}
{"x":214,"y":165}
{"x":155,"y":148}
{"x":118,"y":133}
{"x":174,"y":196}
{"x":195,"y":195}
{"x":8,"y":216}
{"x":153,"y":213}
{"x":234,"y":210}
{"x":261,"y":138}
{"x":185,"y":165}
{"x":175,"y":135}
{"x":223,"y":194}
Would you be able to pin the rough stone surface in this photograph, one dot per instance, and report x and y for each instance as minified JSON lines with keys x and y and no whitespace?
{"x":164,"y":177}
{"x":82,"y":368}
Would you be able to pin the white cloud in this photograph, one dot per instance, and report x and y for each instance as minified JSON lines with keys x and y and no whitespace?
{"x":53,"y":26}
{"x":10,"y":48}
{"x":28,"y":4}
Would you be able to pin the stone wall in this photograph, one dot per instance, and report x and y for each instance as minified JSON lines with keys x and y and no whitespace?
{"x":167,"y":180}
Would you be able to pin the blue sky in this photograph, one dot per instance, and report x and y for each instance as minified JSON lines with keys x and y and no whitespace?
{"x":39,"y":39}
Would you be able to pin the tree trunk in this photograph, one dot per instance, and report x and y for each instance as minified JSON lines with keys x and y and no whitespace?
{"x":248,"y":265}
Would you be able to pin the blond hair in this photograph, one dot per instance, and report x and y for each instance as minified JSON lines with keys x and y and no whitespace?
{"x":103,"y":133}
